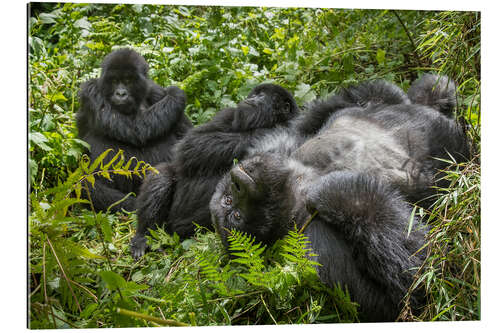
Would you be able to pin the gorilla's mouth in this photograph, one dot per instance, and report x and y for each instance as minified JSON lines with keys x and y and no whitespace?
{"x":249,"y":103}
{"x":120,"y":101}
{"x":125,"y":108}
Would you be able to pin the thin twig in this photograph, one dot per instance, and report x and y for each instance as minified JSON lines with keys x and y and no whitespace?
{"x":36,"y":289}
{"x":86,"y":289}
{"x":409,"y":37}
{"x":265,"y":305}
{"x":45,"y":285}
{"x":64,"y":274}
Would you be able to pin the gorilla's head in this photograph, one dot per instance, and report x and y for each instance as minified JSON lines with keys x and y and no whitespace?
{"x":252,"y":198}
{"x":266,"y":106}
{"x":124,"y":80}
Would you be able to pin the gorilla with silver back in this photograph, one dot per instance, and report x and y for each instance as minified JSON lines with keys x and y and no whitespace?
{"x":362,"y":155}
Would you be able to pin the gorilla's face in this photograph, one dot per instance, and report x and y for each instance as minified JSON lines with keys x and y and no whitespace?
{"x":124,"y":80}
{"x":124,"y":90}
{"x":250,"y":198}
{"x":266,"y":106}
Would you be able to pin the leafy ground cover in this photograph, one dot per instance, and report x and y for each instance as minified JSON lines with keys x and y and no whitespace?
{"x":80,"y":270}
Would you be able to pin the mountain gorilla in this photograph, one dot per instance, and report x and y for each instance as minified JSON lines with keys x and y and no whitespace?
{"x":125,"y":110}
{"x":180,"y":194}
{"x":368,"y":151}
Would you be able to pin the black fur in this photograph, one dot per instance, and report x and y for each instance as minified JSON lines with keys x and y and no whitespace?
{"x":435,"y":91}
{"x":357,"y":171}
{"x":123,"y":109}
{"x":180,"y":196}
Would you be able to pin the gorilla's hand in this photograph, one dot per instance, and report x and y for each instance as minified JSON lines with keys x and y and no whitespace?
{"x":138,"y":246}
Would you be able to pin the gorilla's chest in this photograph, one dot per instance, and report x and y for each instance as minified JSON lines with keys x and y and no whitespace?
{"x":351,"y":143}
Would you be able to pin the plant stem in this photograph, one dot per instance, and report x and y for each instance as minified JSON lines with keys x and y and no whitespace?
{"x":101,"y":237}
{"x":167,"y":322}
{"x":308,"y":222}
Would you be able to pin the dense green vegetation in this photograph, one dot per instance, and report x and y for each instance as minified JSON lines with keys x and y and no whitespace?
{"x":81,"y":273}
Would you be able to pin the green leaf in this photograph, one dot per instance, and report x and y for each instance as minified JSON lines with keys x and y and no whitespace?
{"x":32,"y":168}
{"x":100,"y":158}
{"x":39,"y":140}
{"x":81,"y":143}
{"x":83,"y":24}
{"x":105,"y":223}
{"x":57,"y":97}
{"x":47,"y":18}
{"x":113,"y":281}
{"x":91,"y":180}
{"x":412,"y":219}
{"x":380,"y":56}
{"x":89,"y":310}
{"x":84,"y":252}
{"x":304,"y":93}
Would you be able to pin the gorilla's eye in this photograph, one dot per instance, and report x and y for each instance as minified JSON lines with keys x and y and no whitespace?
{"x":228,"y":200}
{"x":287,"y":106}
{"x":237,"y":215}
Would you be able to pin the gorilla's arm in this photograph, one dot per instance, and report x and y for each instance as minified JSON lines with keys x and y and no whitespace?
{"x":152,"y":122}
{"x":153,"y":205}
{"x":161,"y":117}
{"x":373,"y":218}
{"x":211,"y":147}
{"x":88,"y":103}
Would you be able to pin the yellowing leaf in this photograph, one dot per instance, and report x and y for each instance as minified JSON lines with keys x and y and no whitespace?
{"x":91,"y":180}
{"x":380,"y":56}
{"x":105,"y":174}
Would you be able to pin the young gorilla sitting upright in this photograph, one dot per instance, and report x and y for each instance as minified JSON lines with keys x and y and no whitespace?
{"x":180,"y":194}
{"x":125,"y":110}
{"x":368,"y":151}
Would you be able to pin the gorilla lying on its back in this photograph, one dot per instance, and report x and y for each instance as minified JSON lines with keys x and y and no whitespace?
{"x":364,"y":154}
{"x":181,"y":193}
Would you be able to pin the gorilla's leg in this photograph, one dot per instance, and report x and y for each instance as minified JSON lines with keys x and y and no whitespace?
{"x":374,"y":219}
{"x":438,"y":92}
{"x":153,"y":205}
{"x":104,"y":196}
{"x":363,"y":95}
{"x":375,"y":93}
{"x":191,"y":200}
{"x":319,"y":112}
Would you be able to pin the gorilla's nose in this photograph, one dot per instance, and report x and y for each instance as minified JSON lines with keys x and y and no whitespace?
{"x":242,"y":185}
{"x":122,"y":93}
